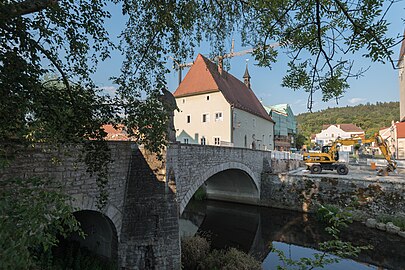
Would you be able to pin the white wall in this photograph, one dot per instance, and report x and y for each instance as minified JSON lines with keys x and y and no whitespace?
{"x":247,"y":125}
{"x":197,"y":105}
{"x":327,"y":136}
{"x":401,"y":70}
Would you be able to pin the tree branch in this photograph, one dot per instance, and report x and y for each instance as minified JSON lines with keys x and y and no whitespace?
{"x":26,"y":7}
{"x":367,"y":30}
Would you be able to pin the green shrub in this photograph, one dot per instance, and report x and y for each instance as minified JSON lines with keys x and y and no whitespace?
{"x":194,"y":250}
{"x":196,"y":255}
{"x":397,"y":221}
{"x":200,"y":194}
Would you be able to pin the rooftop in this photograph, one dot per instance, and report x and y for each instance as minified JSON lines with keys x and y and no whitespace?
{"x":204,"y":77}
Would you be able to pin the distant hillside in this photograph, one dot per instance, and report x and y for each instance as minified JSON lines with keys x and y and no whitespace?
{"x":370,"y":117}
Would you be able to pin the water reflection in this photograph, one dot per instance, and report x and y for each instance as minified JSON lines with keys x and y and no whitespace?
{"x":255,"y":229}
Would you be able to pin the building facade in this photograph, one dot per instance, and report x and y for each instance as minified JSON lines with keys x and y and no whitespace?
{"x":285,"y":128}
{"x":215,"y":108}
{"x":329,"y":134}
{"x":401,"y":69}
{"x":395,"y":138}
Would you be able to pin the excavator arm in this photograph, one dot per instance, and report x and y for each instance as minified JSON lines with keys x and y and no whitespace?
{"x":328,"y":158}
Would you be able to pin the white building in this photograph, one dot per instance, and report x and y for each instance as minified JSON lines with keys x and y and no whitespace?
{"x":401,"y":69}
{"x":218,"y":109}
{"x":395,"y":138}
{"x":329,"y":134}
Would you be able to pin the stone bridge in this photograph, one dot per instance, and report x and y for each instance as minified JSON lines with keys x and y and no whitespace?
{"x":139,"y":226}
{"x":225,"y":173}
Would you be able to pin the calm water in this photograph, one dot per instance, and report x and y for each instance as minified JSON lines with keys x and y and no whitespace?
{"x":256,"y":229}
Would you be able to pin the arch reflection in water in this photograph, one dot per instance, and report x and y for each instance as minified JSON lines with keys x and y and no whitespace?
{"x":256,"y":230}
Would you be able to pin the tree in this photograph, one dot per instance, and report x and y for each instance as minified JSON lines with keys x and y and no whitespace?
{"x":68,"y":38}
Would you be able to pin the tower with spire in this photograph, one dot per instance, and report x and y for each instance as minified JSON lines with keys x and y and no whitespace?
{"x":246,"y":76}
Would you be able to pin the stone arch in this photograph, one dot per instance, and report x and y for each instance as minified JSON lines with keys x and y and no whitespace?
{"x":86,"y":202}
{"x":212,"y":171}
{"x":101,"y":234}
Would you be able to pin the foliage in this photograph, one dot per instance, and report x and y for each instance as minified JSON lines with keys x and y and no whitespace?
{"x":398,"y":221}
{"x":200,"y":194}
{"x":299,"y":140}
{"x":78,"y":258}
{"x":370,"y":117}
{"x":31,"y":218}
{"x":194,"y":250}
{"x":196,"y":254}
{"x":336,"y":219}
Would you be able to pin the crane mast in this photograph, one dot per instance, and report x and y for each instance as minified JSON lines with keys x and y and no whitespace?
{"x":179,"y":67}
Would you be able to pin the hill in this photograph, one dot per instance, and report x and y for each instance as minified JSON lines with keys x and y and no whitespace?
{"x":370,"y":117}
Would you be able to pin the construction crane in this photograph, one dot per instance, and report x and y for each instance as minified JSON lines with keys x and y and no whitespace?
{"x":220,"y":58}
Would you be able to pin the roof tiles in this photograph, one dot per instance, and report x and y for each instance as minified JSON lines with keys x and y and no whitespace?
{"x":204,"y":77}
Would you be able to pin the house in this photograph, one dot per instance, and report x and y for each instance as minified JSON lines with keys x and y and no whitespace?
{"x":401,"y":69}
{"x":329,"y":134}
{"x":285,"y":129}
{"x":117,"y":133}
{"x":395,"y":138}
{"x":215,"y":108}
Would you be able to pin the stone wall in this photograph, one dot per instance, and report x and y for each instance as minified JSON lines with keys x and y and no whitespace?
{"x":150,"y":232}
{"x":61,"y":166}
{"x":142,"y":208}
{"x":189,"y":166}
{"x":302,"y":192}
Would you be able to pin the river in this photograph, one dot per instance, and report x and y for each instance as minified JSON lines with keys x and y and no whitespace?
{"x":256,"y":230}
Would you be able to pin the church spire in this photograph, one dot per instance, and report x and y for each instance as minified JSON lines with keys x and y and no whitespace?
{"x":246,"y":76}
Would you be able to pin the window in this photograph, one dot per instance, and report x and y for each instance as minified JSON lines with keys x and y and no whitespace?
{"x":217,"y":140}
{"x":218,"y":116}
{"x":333,"y":135}
{"x":203,"y":141}
{"x":188,"y":118}
{"x":208,"y":98}
{"x":254,"y":122}
{"x":184,"y":100}
{"x":185,"y":140}
{"x":205,"y":117}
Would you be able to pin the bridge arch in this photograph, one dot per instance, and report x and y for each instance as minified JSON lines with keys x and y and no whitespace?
{"x":84,"y":202}
{"x":214,"y":170}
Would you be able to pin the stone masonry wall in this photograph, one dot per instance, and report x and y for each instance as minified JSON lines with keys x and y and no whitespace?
{"x":62,"y":167}
{"x":189,"y":166}
{"x":142,"y":209}
{"x":303,"y":192}
{"x":150,"y":233}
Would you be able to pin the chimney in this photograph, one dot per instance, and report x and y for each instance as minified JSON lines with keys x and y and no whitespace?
{"x":246,"y":77}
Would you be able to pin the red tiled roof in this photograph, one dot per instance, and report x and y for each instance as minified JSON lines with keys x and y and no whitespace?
{"x":204,"y":77}
{"x":345,"y":127}
{"x":400,"y":129}
{"x":115,"y":134}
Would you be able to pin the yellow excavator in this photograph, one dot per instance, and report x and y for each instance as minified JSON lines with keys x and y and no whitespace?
{"x":329,"y":156}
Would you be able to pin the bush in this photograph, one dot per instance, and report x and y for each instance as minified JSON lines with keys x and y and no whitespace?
{"x":397,"y":221}
{"x":196,"y":255}
{"x":194,"y":250}
{"x":32,"y":217}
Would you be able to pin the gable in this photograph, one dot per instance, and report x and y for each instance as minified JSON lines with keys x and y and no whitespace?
{"x":204,"y":77}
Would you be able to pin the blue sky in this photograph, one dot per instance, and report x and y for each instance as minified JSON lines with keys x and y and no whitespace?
{"x":380,"y":82}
